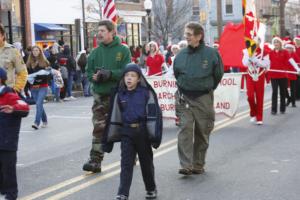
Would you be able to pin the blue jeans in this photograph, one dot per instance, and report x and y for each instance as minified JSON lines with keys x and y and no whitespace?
{"x":86,"y":85}
{"x":70,"y":83}
{"x":39,"y":95}
{"x":55,"y":90}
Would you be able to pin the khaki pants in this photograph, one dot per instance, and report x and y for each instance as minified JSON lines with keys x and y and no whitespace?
{"x":196,"y":121}
{"x":100,"y":111}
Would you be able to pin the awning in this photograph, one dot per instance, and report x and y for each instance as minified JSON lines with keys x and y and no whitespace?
{"x":48,"y":27}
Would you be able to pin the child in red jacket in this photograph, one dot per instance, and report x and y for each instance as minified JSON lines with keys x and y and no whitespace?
{"x":12,"y":109}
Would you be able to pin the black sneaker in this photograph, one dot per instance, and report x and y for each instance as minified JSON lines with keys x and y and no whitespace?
{"x":151,"y":194}
{"x":121,"y":197}
{"x":92,"y":166}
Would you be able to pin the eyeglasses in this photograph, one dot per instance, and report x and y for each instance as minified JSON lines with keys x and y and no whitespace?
{"x":188,"y":34}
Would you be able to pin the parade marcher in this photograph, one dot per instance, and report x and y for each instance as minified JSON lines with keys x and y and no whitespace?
{"x":255,"y":81}
{"x":155,"y":60}
{"x":279,"y":60}
{"x":297,"y":45}
{"x":292,"y":78}
{"x":198,"y":70}
{"x":104,"y":69}
{"x":12,"y":62}
{"x":37,"y":65}
{"x":135,"y":102}
{"x":12,"y":109}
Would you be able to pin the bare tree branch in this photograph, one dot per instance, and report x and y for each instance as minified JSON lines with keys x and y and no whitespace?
{"x":170,"y":18}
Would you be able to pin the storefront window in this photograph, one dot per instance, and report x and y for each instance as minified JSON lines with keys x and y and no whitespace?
{"x":92,"y":31}
{"x":133,"y":35}
{"x":129,"y":35}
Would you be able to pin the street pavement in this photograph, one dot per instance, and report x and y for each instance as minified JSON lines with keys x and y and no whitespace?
{"x":244,"y":161}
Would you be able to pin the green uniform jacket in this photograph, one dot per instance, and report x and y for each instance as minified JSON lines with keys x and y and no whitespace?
{"x":113,"y":57}
{"x":200,"y":69}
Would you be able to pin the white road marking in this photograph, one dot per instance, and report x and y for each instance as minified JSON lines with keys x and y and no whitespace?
{"x":274,"y":171}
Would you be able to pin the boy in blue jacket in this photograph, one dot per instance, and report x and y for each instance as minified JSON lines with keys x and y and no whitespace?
{"x":12,"y":109}
{"x":138,"y":125}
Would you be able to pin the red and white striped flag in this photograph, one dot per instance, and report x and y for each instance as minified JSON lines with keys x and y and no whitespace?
{"x":109,"y":10}
{"x":251,"y":25}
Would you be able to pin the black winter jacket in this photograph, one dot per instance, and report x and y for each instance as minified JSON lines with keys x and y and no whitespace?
{"x":114,"y":123}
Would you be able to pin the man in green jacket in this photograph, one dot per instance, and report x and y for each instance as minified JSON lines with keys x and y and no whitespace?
{"x":104,"y":69}
{"x":198,"y":70}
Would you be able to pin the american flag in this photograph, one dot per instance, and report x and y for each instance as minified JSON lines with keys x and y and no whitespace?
{"x":109,"y":10}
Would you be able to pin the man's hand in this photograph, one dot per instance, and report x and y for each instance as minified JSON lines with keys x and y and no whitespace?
{"x":102,"y":75}
{"x":6,"y":109}
{"x":95,"y":77}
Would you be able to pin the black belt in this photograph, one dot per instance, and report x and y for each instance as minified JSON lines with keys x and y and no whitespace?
{"x":193,"y":94}
{"x":133,"y":125}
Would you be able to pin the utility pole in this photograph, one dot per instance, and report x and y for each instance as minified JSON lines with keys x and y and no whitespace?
{"x":208,"y":22}
{"x":219,"y":18}
{"x":282,"y":17}
{"x":85,"y":33}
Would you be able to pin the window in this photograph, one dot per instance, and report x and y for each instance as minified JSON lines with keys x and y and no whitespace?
{"x":228,"y":7}
{"x":133,"y":34}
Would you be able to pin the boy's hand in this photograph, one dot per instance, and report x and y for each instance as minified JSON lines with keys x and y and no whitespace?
{"x":6,"y":109}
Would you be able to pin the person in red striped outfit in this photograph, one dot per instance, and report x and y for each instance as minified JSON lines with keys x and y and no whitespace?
{"x":255,"y":79}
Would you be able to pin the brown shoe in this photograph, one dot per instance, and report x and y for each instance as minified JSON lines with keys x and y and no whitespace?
{"x":185,"y":171}
{"x":198,"y":171}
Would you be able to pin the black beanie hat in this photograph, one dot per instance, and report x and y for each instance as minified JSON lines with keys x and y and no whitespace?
{"x":133,"y":67}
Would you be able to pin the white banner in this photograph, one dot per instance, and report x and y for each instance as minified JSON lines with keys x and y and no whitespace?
{"x":226,"y":96}
{"x":165,"y":88}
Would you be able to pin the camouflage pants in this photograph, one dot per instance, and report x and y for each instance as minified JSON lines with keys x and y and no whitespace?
{"x":100,"y":111}
{"x":196,"y":121}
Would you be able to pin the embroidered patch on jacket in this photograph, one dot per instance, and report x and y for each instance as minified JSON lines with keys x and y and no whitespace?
{"x":119,"y":56}
{"x":205,"y":64}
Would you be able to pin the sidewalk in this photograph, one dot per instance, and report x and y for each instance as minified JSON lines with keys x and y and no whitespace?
{"x":75,"y":93}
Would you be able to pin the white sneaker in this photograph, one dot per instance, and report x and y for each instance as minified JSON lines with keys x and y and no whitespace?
{"x":259,"y":123}
{"x":35,"y":126}
{"x":72,"y":98}
{"x":44,"y":125}
{"x":253,"y":119}
{"x":67,"y":99}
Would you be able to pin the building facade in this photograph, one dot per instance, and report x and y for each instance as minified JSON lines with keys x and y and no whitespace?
{"x":15,"y":16}
{"x":231,"y":12}
{"x":292,"y":18}
{"x":267,"y":11}
{"x":61,"y":20}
